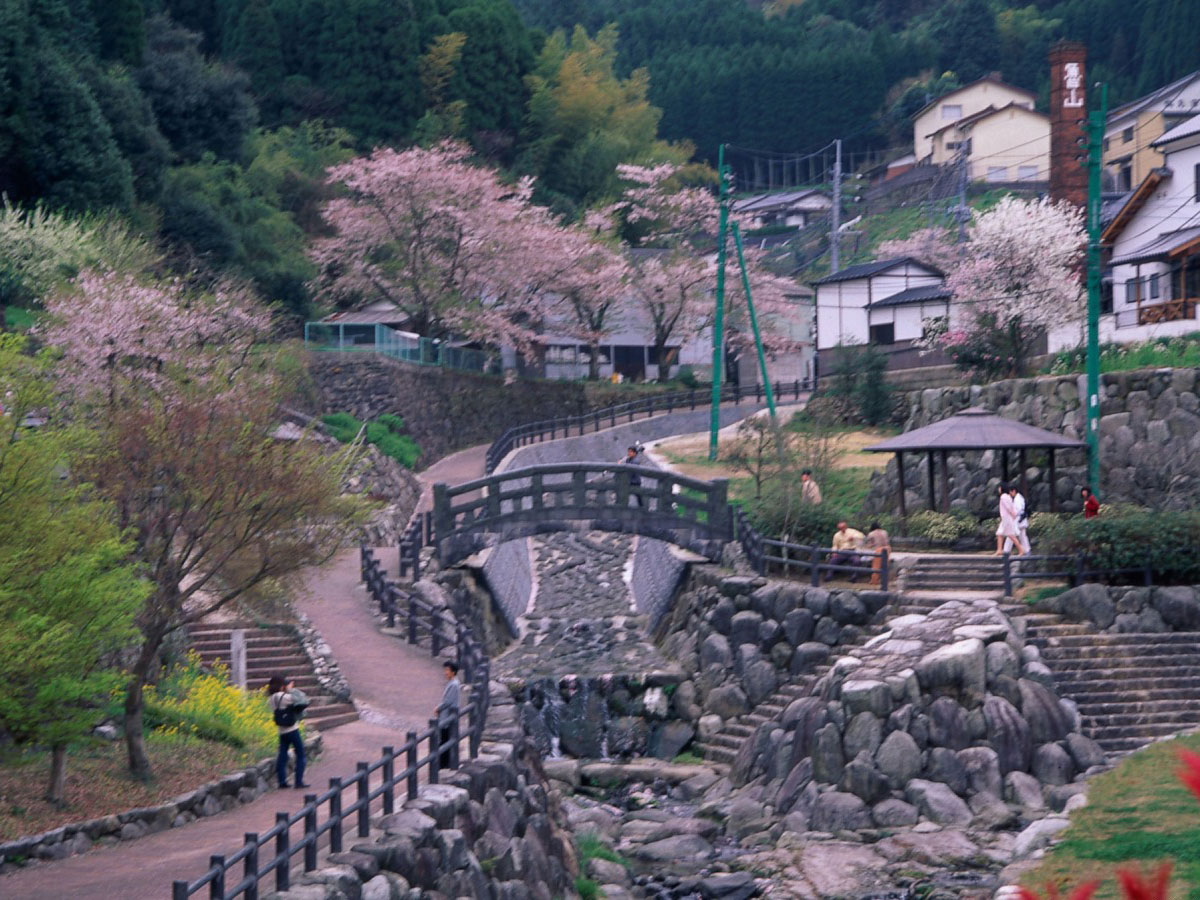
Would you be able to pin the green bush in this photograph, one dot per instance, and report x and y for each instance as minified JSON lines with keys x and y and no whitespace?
{"x":686,"y":376}
{"x":780,"y":512}
{"x":386,"y":433}
{"x":940,"y":526}
{"x":1128,"y":537}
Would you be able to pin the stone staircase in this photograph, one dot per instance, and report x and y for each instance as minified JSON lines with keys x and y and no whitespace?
{"x":954,"y":575}
{"x":271,"y":650}
{"x":1131,"y":688}
{"x":723,"y":747}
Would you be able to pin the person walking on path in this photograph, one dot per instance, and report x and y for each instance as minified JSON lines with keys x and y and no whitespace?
{"x":1022,"y":539}
{"x":1091,"y":506}
{"x":1007,"y":528}
{"x":631,"y":459}
{"x":877,"y":541}
{"x":448,"y":710}
{"x":810,"y":491}
{"x":287,"y":706}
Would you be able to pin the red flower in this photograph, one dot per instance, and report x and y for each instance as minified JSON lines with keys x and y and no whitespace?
{"x":1190,"y":773}
{"x":1083,"y":892}
{"x":1136,"y":888}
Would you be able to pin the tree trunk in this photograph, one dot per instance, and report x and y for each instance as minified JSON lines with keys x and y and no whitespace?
{"x":664,"y":364}
{"x":135,"y":739}
{"x":594,"y":361}
{"x":58,"y":774}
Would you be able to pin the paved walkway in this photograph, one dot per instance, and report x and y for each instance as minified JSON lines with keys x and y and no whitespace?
{"x":399,"y":687}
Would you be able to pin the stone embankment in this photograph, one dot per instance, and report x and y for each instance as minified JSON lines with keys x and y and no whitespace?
{"x":1148,"y":446}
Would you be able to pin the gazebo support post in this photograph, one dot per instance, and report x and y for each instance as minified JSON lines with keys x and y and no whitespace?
{"x":1004,"y":466}
{"x":900,"y":472}
{"x":932,"y":488}
{"x":1024,"y":479}
{"x":945,"y":481}
{"x":1053,"y":483}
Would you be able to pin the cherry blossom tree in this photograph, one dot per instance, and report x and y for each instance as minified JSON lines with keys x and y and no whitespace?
{"x":180,"y":394}
{"x":1015,"y":276}
{"x":674,"y":273}
{"x":459,"y":251}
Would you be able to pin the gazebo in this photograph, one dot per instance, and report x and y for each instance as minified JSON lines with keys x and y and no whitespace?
{"x":978,"y":430}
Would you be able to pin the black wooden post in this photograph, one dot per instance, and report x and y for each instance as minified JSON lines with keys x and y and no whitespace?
{"x":1008,"y":580}
{"x":454,"y":742}
{"x":1004,"y":466}
{"x":283,"y":853}
{"x":435,"y":632}
{"x":310,"y":832}
{"x":435,"y":749}
{"x":883,"y":569}
{"x":216,"y":887}
{"x":945,"y":481}
{"x":900,"y":472}
{"x":412,"y":618}
{"x":815,"y":566}
{"x":389,"y":775}
{"x":335,"y":815}
{"x":718,"y":508}
{"x":362,"y":777}
{"x":443,"y":518}
{"x":932,"y":489}
{"x":1053,"y":483}
{"x":1022,"y":475}
{"x":179,"y":890}
{"x":250,"y":865}
{"x":1077,"y":578}
{"x":410,"y":762}
{"x":692,"y":398}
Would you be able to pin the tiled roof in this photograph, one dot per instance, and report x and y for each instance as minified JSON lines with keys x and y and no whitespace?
{"x":1158,"y":248}
{"x":915,"y":295}
{"x":866,"y":270}
{"x":1186,"y":128}
{"x":974,"y":429}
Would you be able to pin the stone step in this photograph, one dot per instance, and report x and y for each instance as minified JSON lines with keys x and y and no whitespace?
{"x":959,"y":559}
{"x":222,"y":629}
{"x":1096,"y":684}
{"x":1127,"y":666}
{"x":1126,"y":696}
{"x":1135,"y":718}
{"x":331,"y":716}
{"x":1123,"y":745}
{"x":1047,"y":632}
{"x":716,"y":753}
{"x":738,"y":729}
{"x":1145,"y":730}
{"x":726,"y":740}
{"x":1186,"y":638}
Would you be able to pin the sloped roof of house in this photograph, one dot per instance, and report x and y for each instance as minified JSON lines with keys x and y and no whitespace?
{"x":993,"y":77}
{"x":974,"y":429}
{"x":915,"y":295}
{"x":366,"y":317}
{"x":1132,"y":203}
{"x":761,"y":202}
{"x":1170,"y":244}
{"x":879,"y":266}
{"x":1186,"y":128}
{"x":987,"y":112}
{"x":1135,"y":106}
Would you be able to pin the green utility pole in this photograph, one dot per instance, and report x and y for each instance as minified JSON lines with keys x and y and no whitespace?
{"x":719,"y":318}
{"x":1096,"y":122}
{"x":762,"y":360}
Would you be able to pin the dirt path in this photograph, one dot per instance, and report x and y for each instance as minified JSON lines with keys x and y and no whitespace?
{"x":399,"y":687}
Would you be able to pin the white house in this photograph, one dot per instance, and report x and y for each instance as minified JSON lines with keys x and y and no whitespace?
{"x":789,"y":208}
{"x":1133,"y":129}
{"x":1155,"y":250}
{"x":884,"y":303}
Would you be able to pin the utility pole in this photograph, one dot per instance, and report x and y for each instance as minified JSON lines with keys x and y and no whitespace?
{"x":961,"y":211}
{"x":762,"y":359}
{"x":1096,"y":123}
{"x":835,"y":219}
{"x":719,"y":318}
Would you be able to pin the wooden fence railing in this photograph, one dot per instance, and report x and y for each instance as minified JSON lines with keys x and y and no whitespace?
{"x":644,"y":407}
{"x":768,"y":554}
{"x":349,"y":800}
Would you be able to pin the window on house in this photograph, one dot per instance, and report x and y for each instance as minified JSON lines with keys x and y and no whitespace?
{"x":997,"y":173}
{"x":1027,"y":173}
{"x":1127,"y":135}
{"x":953,"y":145}
{"x":1106,"y":297}
{"x":1153,"y":287}
{"x":560,"y":353}
{"x":884,"y":333}
{"x":951,"y":111}
{"x":1131,"y":290}
{"x":1106,"y":145}
{"x":1125,"y":178}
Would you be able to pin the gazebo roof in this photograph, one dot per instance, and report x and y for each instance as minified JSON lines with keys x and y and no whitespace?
{"x":974,"y":429}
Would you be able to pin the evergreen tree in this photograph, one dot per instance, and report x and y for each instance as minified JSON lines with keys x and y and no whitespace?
{"x":121,"y":30}
{"x":968,"y":39}
{"x":258,"y":50}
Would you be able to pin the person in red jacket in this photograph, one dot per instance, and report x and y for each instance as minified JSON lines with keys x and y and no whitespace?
{"x":1091,"y":506}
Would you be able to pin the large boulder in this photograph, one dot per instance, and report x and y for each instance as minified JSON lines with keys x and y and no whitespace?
{"x":744,"y":628}
{"x":955,"y":670}
{"x":715,"y":651}
{"x":808,"y":656}
{"x":1052,"y":764}
{"x":1048,"y":721}
{"x":945,"y":766}
{"x":847,"y":609}
{"x":1086,"y":603}
{"x":863,"y":780}
{"x":838,"y":811}
{"x":827,"y":756}
{"x":863,"y":732}
{"x":1085,"y":752}
{"x":760,"y":681}
{"x":937,"y":802}
{"x":867,"y":696}
{"x":1178,"y":607}
{"x":1007,"y":734}
{"x":727,"y":701}
{"x":805,"y":717}
{"x":1001,"y":662}
{"x":948,"y":725}
{"x":892,"y":813}
{"x":983,"y":770}
{"x":898,"y":758}
{"x":798,"y":626}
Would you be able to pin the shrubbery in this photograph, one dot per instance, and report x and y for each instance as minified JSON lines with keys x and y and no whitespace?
{"x":1127,"y":537}
{"x":386,"y":433}
{"x":940,"y":526}
{"x":194,"y":703}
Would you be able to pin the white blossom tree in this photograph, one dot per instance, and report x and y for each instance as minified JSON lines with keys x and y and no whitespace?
{"x":1015,"y":276}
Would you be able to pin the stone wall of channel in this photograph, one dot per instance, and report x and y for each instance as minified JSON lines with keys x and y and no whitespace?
{"x":1149,"y":441}
{"x":1123,"y":610}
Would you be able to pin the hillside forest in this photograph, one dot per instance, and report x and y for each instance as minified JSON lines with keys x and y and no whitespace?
{"x":208,"y":125}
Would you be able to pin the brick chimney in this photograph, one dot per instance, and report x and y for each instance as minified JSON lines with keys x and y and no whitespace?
{"x":1068,"y":122}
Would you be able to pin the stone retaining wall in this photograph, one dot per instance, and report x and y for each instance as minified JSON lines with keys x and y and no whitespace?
{"x":445,"y":409}
{"x":207,"y":800}
{"x":508,"y":571}
{"x":657,"y":569}
{"x":1151,"y":610}
{"x":1149,"y":441}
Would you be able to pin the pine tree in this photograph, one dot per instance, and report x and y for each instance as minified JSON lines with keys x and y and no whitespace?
{"x":258,"y":50}
{"x":121,"y":29}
